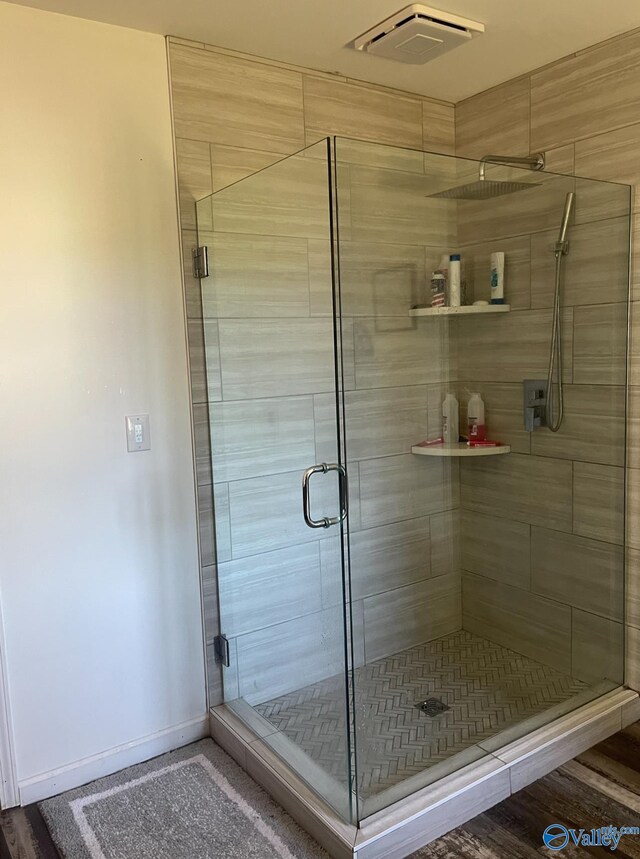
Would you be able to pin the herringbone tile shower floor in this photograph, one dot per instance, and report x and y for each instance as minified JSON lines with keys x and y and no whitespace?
{"x":487,"y":687}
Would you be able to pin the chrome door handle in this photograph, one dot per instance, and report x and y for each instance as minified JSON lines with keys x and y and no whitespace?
{"x":326,"y":521}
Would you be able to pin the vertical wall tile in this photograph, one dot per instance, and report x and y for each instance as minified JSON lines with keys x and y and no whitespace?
{"x":600,"y":340}
{"x":210,"y":602}
{"x":530,"y":489}
{"x":288,"y":582}
{"x":402,"y":487}
{"x":193,"y":165}
{"x":587,"y":574}
{"x":586,"y":93}
{"x":598,"y":501}
{"x":495,"y":121}
{"x":532,"y":625}
{"x":446,"y":537}
{"x":597,"y":648}
{"x":408,"y":616}
{"x":350,"y":110}
{"x":197,"y":368}
{"x":496,"y":548}
{"x":202,"y":443}
{"x":438,"y":127}
{"x":266,"y":111}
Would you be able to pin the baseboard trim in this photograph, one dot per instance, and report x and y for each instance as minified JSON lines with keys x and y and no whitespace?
{"x":81,"y":772}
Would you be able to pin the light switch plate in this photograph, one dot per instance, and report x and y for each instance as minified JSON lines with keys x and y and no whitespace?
{"x":138,"y":437}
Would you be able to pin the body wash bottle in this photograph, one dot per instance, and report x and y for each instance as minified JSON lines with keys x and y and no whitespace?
{"x":497,"y":278}
{"x":455,"y":292}
{"x":475,"y":419}
{"x":450,"y":419}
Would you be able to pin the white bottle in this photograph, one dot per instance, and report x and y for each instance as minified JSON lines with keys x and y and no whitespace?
{"x":497,"y":278}
{"x":475,"y":418}
{"x":454,"y":281}
{"x":450,"y":419}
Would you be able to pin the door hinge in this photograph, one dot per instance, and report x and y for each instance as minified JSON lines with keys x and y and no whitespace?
{"x":200,"y":259}
{"x":221,"y":650}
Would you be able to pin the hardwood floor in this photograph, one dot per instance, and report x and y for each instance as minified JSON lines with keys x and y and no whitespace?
{"x":599,"y":788}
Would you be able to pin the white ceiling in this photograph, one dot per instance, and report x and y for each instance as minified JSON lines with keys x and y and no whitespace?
{"x":521,"y":35}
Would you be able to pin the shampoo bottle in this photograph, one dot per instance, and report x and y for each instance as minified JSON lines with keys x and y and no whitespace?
{"x":497,"y":278}
{"x":450,"y":419}
{"x":455,"y":294}
{"x":475,"y":419}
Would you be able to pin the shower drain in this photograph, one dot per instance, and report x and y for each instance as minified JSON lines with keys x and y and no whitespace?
{"x":432,"y":707}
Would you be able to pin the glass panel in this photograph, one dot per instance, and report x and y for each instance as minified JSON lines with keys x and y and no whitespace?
{"x":486,"y":588}
{"x":271,"y":368}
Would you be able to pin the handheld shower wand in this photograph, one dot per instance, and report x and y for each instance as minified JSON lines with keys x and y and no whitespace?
{"x":555,"y":354}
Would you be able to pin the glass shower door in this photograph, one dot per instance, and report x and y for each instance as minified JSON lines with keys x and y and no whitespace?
{"x":274,"y":371}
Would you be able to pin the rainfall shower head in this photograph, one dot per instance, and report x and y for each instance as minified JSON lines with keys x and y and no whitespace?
{"x":485,"y":188}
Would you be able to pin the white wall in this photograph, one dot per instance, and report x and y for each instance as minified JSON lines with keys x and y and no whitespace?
{"x":99,"y":569}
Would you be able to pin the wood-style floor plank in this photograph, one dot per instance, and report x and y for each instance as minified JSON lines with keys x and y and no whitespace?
{"x":599,"y":788}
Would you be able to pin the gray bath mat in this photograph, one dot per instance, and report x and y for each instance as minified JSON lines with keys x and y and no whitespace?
{"x":195,"y":803}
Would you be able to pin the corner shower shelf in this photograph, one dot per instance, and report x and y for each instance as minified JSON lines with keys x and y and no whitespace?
{"x":460,"y":449}
{"x":462,"y":310}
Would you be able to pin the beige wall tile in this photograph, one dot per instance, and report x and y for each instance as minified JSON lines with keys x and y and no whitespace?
{"x":379,"y":422}
{"x":395,"y":207}
{"x":496,"y":121}
{"x":210,"y":602}
{"x":255,"y":276}
{"x":382,"y":559}
{"x":221,"y":519}
{"x":511,"y":347}
{"x":375,"y":279}
{"x":633,"y":508}
{"x":392,"y":352}
{"x":266,"y":111}
{"x":350,"y":110}
{"x":193,"y":165}
{"x":597,"y":648}
{"x":289,"y":199}
{"x":593,"y":428}
{"x":611,"y":157}
{"x":586,"y":93}
{"x":229,"y":164}
{"x":446,"y":539}
{"x":599,"y":348}
{"x":632,"y":660}
{"x":438,"y":127}
{"x":317,"y":641}
{"x":202,"y":443}
{"x":634,"y":341}
{"x":591,"y":247}
{"x":205,"y":523}
{"x":598,"y":502}
{"x":197,"y":366}
{"x":287,"y":580}
{"x":266,"y":512}
{"x":587,"y":574}
{"x":251,"y":438}
{"x":271,"y":358}
{"x":503,"y":412}
{"x":408,"y":616}
{"x":530,"y":489}
{"x":496,"y":548}
{"x":532,"y":625}
{"x":212,"y":358}
{"x":403,"y":487}
{"x":562,"y":159}
{"x":632,"y":582}
{"x":517,"y":275}
{"x":191,"y":284}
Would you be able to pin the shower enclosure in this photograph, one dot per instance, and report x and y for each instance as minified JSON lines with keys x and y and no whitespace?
{"x":392,"y":613}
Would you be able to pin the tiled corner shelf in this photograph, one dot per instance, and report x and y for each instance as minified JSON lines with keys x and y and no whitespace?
{"x":460,"y":311}
{"x":460,"y":449}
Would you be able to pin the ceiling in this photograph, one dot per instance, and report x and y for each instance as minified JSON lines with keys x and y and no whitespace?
{"x":521,"y":35}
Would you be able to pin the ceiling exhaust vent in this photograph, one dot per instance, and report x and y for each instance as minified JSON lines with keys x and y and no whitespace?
{"x":417,"y":34}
